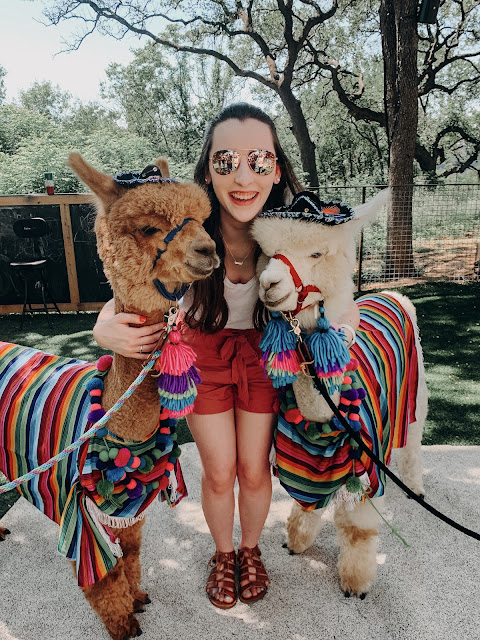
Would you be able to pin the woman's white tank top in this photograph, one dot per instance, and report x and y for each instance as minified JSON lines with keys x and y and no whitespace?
{"x":240,"y":298}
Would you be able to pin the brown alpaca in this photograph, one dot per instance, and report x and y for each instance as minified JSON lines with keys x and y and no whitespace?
{"x":131,"y":226}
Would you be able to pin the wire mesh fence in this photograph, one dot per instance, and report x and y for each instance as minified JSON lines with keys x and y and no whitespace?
{"x":429,"y":233}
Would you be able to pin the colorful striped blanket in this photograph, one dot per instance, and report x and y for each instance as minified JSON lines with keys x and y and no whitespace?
{"x":314,"y":466}
{"x":44,"y":407}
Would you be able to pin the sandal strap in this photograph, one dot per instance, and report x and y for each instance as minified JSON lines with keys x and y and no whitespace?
{"x":247,"y":560}
{"x":222,"y":575}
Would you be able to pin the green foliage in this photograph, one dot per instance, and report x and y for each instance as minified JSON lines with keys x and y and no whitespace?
{"x":17,"y":125}
{"x":45,"y":99}
{"x":31,"y":144}
{"x":89,"y":117}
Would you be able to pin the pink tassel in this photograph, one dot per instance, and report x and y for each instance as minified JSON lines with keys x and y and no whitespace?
{"x":336,"y":373}
{"x":176,"y":357}
{"x":288,"y":362}
{"x":179,"y":414}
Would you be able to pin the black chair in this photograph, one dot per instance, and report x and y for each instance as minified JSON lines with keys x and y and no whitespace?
{"x":32,"y":270}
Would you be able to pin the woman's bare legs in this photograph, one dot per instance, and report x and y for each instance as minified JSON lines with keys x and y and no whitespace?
{"x":216,"y":442}
{"x":232,"y":444}
{"x":254,"y":439}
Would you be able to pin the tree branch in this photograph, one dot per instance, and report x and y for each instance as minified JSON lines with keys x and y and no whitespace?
{"x":107,"y":13}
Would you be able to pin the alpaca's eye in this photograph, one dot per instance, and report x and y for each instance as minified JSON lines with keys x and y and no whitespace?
{"x":315,"y":256}
{"x":149,"y":231}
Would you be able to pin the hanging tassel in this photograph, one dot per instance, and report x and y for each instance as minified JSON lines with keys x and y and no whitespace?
{"x":272,"y":459}
{"x":329,"y":352}
{"x":279,"y":359}
{"x":177,"y":382}
{"x":352,"y":492}
{"x":176,"y":357}
{"x":172,"y":486}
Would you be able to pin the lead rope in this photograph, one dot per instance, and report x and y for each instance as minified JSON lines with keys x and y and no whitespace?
{"x":149,"y":363}
{"x":305,"y":356}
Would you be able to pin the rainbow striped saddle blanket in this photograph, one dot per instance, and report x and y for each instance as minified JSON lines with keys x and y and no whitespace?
{"x":315,"y":464}
{"x":44,"y":407}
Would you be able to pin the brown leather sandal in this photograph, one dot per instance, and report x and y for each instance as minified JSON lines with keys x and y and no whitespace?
{"x":222,"y":579}
{"x":252,"y":574}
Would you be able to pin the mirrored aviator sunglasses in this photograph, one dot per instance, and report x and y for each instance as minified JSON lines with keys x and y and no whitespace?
{"x":259,"y":160}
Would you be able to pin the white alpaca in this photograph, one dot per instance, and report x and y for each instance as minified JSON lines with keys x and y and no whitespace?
{"x":322,"y":254}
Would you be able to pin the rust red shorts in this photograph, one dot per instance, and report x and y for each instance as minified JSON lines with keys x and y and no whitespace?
{"x":232,"y":376}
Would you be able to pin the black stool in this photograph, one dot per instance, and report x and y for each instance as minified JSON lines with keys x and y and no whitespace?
{"x":32,"y":272}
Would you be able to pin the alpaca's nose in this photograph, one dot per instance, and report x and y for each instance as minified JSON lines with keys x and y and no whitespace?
{"x":204,"y":248}
{"x":270,"y":278}
{"x":202,"y":254}
{"x":269,"y":285}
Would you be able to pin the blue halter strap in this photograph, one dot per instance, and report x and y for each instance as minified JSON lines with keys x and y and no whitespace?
{"x":178,"y":292}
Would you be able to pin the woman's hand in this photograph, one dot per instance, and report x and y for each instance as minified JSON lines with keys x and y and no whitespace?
{"x":349,"y":323}
{"x":115,"y":333}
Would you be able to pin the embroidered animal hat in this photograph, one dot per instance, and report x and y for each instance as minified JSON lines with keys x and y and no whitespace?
{"x":307,"y":206}
{"x":151,"y":173}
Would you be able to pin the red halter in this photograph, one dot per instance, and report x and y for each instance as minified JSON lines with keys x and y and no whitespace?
{"x":301,"y":290}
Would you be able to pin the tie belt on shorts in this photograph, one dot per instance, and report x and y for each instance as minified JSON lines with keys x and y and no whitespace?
{"x":240,"y":353}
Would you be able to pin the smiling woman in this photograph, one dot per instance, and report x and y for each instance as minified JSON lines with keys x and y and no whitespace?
{"x":243,"y":169}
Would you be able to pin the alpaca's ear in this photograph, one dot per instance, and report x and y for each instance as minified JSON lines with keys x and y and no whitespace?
{"x":366,"y":213}
{"x":162,"y":164}
{"x":102,"y":185}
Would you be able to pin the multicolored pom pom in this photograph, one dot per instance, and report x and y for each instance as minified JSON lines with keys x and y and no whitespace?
{"x":329,"y":353}
{"x":104,"y":363}
{"x":278,"y":344}
{"x":178,"y":379}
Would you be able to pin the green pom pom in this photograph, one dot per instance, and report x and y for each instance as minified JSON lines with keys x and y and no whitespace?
{"x":103,"y":455}
{"x":155,"y":484}
{"x":326,"y":428}
{"x":148,"y":465}
{"x":105,"y":488}
{"x":156,"y":453}
{"x":176,"y":452}
{"x":354,"y":485}
{"x":112,"y":454}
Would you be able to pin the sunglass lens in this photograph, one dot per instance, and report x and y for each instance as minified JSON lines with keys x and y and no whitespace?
{"x":224,"y":162}
{"x":261,"y":161}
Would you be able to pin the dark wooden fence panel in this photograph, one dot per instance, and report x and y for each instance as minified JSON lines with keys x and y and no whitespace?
{"x":75,"y":273}
{"x":21,"y":249}
{"x":92,"y":283}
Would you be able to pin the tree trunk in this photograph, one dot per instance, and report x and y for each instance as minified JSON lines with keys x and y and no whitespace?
{"x":301,"y":133}
{"x":398,"y":23}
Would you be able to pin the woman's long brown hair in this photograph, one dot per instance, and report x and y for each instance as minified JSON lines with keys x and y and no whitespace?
{"x":208,"y":295}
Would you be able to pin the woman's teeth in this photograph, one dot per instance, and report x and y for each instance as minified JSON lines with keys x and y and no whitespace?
{"x":243,"y":196}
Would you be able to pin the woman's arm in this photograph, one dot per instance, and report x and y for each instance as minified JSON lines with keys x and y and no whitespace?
{"x":349,"y":322}
{"x":113,"y":332}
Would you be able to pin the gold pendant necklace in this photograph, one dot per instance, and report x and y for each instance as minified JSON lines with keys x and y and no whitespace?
{"x":235,"y":261}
